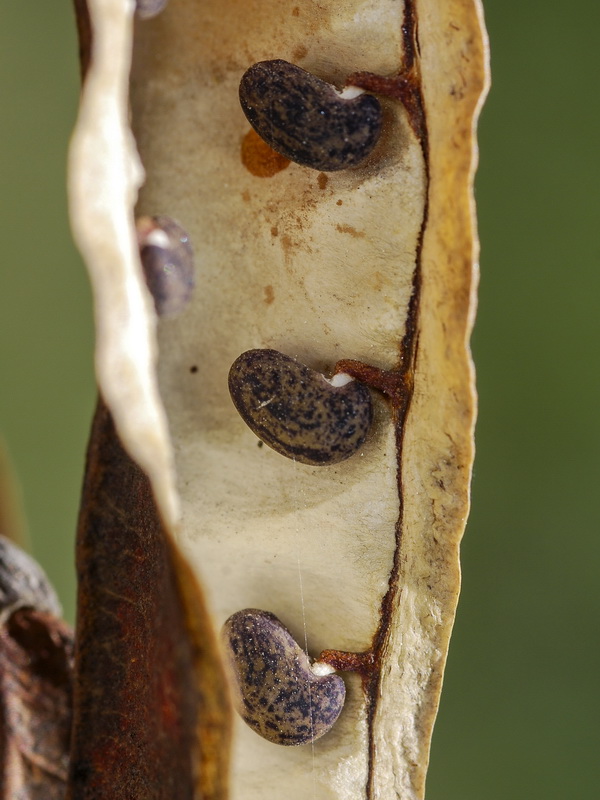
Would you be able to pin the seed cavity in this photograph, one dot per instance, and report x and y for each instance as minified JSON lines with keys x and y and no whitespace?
{"x":276,"y":691}
{"x":168,"y":262}
{"x":306,"y":119}
{"x":297,"y":411}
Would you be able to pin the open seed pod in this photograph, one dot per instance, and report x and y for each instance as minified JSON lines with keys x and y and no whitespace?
{"x":377,"y":261}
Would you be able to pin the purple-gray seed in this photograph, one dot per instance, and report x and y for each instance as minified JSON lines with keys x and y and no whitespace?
{"x":168,"y":262}
{"x":146,"y":9}
{"x":275,"y":691}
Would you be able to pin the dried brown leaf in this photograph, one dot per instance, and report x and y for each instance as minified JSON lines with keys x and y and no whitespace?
{"x":36,"y":654}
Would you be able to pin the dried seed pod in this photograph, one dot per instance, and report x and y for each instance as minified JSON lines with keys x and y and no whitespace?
{"x":297,"y":411}
{"x":276,"y":692}
{"x":168,"y":262}
{"x":306,"y":119}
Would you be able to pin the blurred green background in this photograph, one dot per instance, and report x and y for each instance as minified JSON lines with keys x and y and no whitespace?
{"x":520,"y":709}
{"x":46,"y":331}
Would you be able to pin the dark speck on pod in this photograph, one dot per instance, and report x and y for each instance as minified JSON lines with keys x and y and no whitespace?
{"x":168,"y":262}
{"x":276,"y":691}
{"x":306,"y":120}
{"x":297,"y":411}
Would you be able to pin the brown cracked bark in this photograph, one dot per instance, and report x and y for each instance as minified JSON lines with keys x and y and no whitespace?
{"x":372,"y":270}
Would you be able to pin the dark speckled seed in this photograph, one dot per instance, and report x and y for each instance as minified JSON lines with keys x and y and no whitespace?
{"x":276,"y":692}
{"x":168,"y":262}
{"x":296,"y":411}
{"x":304,"y":119}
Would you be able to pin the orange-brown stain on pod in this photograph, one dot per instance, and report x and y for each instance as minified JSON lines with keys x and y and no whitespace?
{"x":352,"y":231}
{"x":259,"y":159}
{"x":300,"y":52}
{"x":269,"y":294}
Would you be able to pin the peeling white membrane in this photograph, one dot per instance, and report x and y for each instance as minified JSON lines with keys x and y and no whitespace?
{"x":104,"y":176}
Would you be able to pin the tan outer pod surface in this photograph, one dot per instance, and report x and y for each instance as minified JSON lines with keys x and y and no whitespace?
{"x":360,"y":556}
